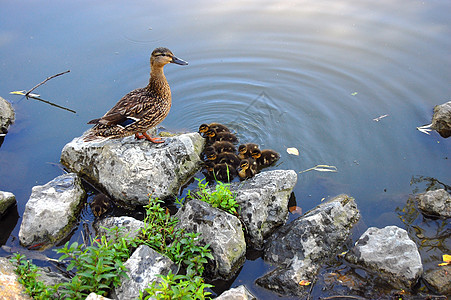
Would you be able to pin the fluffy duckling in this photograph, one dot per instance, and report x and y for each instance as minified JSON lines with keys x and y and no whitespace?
{"x":224,"y":172}
{"x":213,"y":136}
{"x":100,"y":204}
{"x":247,"y":168}
{"x":245,"y":150}
{"x":216,"y":126}
{"x":265,"y":157}
{"x":228,"y":158}
{"x":220,"y":146}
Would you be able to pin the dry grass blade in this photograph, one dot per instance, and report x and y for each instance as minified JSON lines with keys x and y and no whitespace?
{"x":322,"y":168}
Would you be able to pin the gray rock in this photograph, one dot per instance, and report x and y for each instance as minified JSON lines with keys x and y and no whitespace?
{"x":441,"y":120}
{"x":300,"y":248}
{"x":142,"y":267}
{"x":389,"y":253}
{"x":221,"y":230}
{"x":128,"y":169}
{"x":10,"y":288}
{"x":238,"y":293}
{"x":128,"y":226}
{"x":7,"y":116}
{"x":6,"y":200}
{"x":435,"y":203}
{"x":439,"y":279}
{"x":51,"y":211}
{"x":263,"y":202}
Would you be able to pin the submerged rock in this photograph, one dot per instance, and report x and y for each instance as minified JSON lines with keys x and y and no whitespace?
{"x":439,"y":279}
{"x":263,"y":201}
{"x":6,"y":200}
{"x":51,"y":211}
{"x":389,"y":253}
{"x":143,"y":266}
{"x":7,"y":116}
{"x":441,"y":120}
{"x":238,"y":293}
{"x":10,"y":288}
{"x":128,"y":169}
{"x":221,"y":230}
{"x":435,"y":203}
{"x":300,"y":248}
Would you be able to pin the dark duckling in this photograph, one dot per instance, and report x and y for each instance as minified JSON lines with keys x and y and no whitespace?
{"x":245,"y":150}
{"x":215,"y":126}
{"x":224,"y":172}
{"x":247,"y":168}
{"x":265,"y":157}
{"x":213,"y":136}
{"x":220,"y":146}
{"x":100,"y":204}
{"x":228,"y":158}
{"x":141,"y":109}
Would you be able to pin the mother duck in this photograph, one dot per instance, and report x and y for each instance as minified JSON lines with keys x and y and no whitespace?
{"x":141,"y":109}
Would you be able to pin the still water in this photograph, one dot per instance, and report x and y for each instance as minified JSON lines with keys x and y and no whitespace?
{"x":306,"y":74}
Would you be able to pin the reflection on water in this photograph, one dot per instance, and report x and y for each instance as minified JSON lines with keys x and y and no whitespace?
{"x":306,"y":74}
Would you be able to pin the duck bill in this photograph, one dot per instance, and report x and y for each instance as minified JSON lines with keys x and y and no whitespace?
{"x":178,"y":61}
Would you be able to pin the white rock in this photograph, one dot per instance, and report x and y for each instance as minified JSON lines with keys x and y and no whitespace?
{"x":263,"y":201}
{"x":6,"y":200}
{"x":130,"y":169}
{"x":238,"y":293}
{"x":389,"y":253}
{"x":51,"y":211}
{"x":435,"y":203}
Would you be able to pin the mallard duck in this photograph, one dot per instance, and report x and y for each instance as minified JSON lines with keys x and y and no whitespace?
{"x":245,"y":150}
{"x":224,"y":172}
{"x":228,"y":158}
{"x":213,"y":136}
{"x":265,"y":157}
{"x":247,"y":168}
{"x":141,"y":109}
{"x":220,"y":146}
{"x":100,"y":204}
{"x":216,"y":126}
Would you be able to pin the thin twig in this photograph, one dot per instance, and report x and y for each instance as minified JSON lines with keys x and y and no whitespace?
{"x":51,"y":103}
{"x":47,"y":79}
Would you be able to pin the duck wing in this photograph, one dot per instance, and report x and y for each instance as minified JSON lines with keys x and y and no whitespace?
{"x":126,"y":111}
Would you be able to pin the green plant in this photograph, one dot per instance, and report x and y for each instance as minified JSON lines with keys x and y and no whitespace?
{"x":99,"y":266}
{"x":28,"y":275}
{"x":172,"y":286}
{"x":221,"y":197}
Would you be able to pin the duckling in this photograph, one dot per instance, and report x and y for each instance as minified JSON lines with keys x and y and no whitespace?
{"x":265,"y":157}
{"x":141,"y":109}
{"x":216,"y":126}
{"x":245,"y":150}
{"x":220,"y":146}
{"x":100,"y":204}
{"x":224,"y":172}
{"x":228,"y":158}
{"x":247,"y":168}
{"x":213,"y":136}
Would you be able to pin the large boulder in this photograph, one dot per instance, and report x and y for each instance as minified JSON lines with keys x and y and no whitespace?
{"x":435,"y":203}
{"x":6,"y":200}
{"x":301,"y":247}
{"x":51,"y":211}
{"x":441,"y":120}
{"x":129,"y":169}
{"x":7,"y":116}
{"x":389,"y":253}
{"x":221,"y":230}
{"x":263,"y":201}
{"x":10,"y":288}
{"x":143,"y":266}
